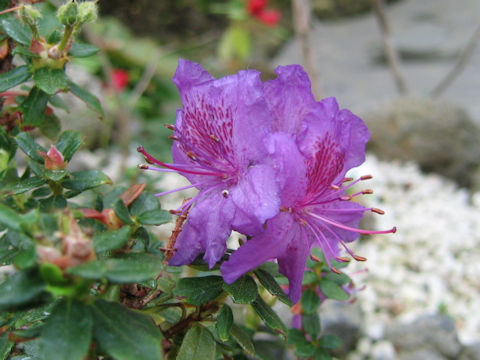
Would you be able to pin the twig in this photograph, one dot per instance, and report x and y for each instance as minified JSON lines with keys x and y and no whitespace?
{"x":302,"y":19}
{"x":390,"y":52}
{"x":11,"y":9}
{"x":462,"y":60}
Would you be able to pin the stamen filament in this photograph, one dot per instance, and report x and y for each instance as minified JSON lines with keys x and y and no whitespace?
{"x":345,"y":227}
{"x":178,"y":189}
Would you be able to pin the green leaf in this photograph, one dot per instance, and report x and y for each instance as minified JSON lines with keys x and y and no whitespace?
{"x":242,"y":339}
{"x":269,"y":317}
{"x":271,"y":285}
{"x":58,"y":102}
{"x":55,"y":175}
{"x":20,"y":289}
{"x":330,"y":342}
{"x":10,"y":218}
{"x":310,"y":301}
{"x":129,"y":269}
{"x":29,"y":146}
{"x":340,"y":279}
{"x":111,"y":240}
{"x":68,"y":143}
{"x":224,"y":322}
{"x":321,"y":354}
{"x":200,"y":290}
{"x":236,"y":42}
{"x":33,"y":107}
{"x":303,"y":348}
{"x":5,"y":347}
{"x":155,"y":217}
{"x":84,"y":180}
{"x":89,"y":99}
{"x":50,"y":80}
{"x":25,"y":185}
{"x":122,"y":212}
{"x":144,"y":203}
{"x":332,"y":290}
{"x":16,"y":30}
{"x":311,"y":324}
{"x":50,"y":126}
{"x":82,"y":50}
{"x":197,"y":344}
{"x":14,"y":77}
{"x":243,"y":291}
{"x":124,"y":334}
{"x":67,"y":332}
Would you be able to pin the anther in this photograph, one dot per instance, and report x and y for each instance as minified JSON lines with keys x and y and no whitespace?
{"x":285,"y":209}
{"x":342,"y":259}
{"x":303,"y":222}
{"x":225,"y":193}
{"x":377,"y":211}
{"x":191,"y":155}
{"x":336,"y":271}
{"x":173,"y":137}
{"x":142,"y":166}
{"x":334,"y":187}
{"x":345,"y":198}
{"x":366,"y":177}
{"x":314,"y":258}
{"x":359,"y":258}
{"x":140,"y":149}
{"x":169,"y":126}
{"x":347,"y":179}
{"x":214,"y":138}
{"x":367,"y":191}
{"x":173,"y":212}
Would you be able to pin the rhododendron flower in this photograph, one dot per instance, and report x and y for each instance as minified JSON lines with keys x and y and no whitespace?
{"x":257,"y":8}
{"x":314,"y":146}
{"x":218,"y":146}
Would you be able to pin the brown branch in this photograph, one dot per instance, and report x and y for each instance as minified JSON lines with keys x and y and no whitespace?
{"x":462,"y":60}
{"x":390,"y":52}
{"x":302,"y":14}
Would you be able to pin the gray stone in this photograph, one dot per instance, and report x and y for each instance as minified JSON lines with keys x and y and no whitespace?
{"x":471,"y":352}
{"x":440,"y":136}
{"x":430,"y":334}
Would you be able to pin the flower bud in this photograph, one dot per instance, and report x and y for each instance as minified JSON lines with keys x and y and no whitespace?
{"x":67,"y":14}
{"x":53,"y":159}
{"x":87,"y":12}
{"x":32,"y":12}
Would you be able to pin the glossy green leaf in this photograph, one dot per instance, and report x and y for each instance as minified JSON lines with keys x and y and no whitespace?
{"x":68,"y":143}
{"x":310,"y":301}
{"x":67,"y":332}
{"x":82,"y":50}
{"x":50,"y":126}
{"x":155,"y":217}
{"x":33,"y":107}
{"x":50,"y":80}
{"x":58,"y":102}
{"x":10,"y":218}
{"x":111,"y":240}
{"x":332,"y":290}
{"x":129,"y":269}
{"x":29,"y":146}
{"x":321,"y":354}
{"x":330,"y":342}
{"x":55,"y":175}
{"x":125,"y":334}
{"x":303,"y":348}
{"x":243,"y":291}
{"x":269,"y":317}
{"x":87,"y":97}
{"x":271,"y":285}
{"x":25,"y":185}
{"x":242,"y":339}
{"x":200,"y":290}
{"x":224,"y":322}
{"x":5,"y":347}
{"x":84,"y":180}
{"x":20,"y":289}
{"x":17,"y":30}
{"x":311,"y":324}
{"x":197,"y":344}
{"x":122,"y":212}
{"x":14,"y":77}
{"x":144,"y":203}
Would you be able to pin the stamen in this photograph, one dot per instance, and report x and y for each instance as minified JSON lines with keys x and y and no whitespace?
{"x":334,"y":187}
{"x":191,"y":155}
{"x":149,"y":158}
{"x":148,"y":167}
{"x":366,"y":177}
{"x":345,"y":198}
{"x":347,"y":179}
{"x":173,"y":137}
{"x":314,"y":258}
{"x":377,"y":211}
{"x":367,"y":192}
{"x":225,"y":193}
{"x":142,"y":166}
{"x":342,"y":259}
{"x":214,"y":138}
{"x":345,"y":227}
{"x":178,"y":189}
{"x":359,"y":258}
{"x":169,"y":126}
{"x":285,"y":209}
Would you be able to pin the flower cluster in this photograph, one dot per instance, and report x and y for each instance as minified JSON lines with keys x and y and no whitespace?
{"x":270,"y":162}
{"x":258,"y":10}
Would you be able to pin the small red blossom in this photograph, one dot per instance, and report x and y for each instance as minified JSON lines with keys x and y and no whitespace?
{"x":120,"y":79}
{"x":257,"y":8}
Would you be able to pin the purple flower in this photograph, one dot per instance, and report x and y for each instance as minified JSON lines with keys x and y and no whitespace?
{"x":218,"y":146}
{"x":314,"y":145}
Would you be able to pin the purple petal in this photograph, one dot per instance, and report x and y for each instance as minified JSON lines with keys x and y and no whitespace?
{"x":263,"y":247}
{"x":292,"y":262}
{"x":190,"y":74}
{"x":289,"y":97}
{"x":257,"y":194}
{"x":187,"y":246}
{"x":289,"y":165}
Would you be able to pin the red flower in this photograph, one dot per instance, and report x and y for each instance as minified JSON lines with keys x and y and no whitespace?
{"x":257,"y":8}
{"x":120,"y":79}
